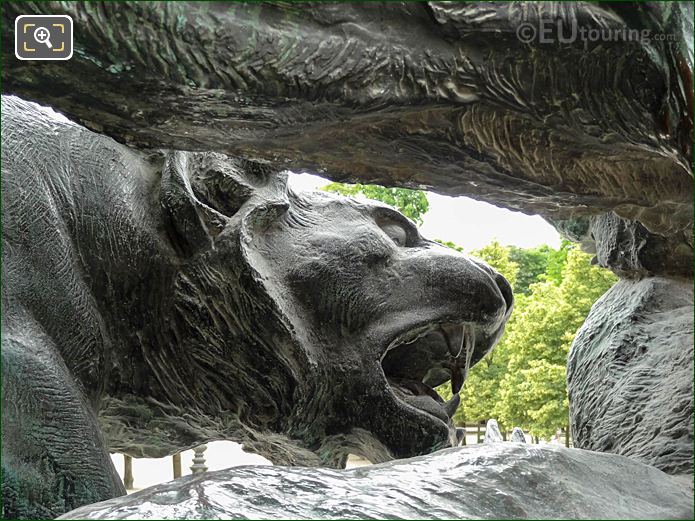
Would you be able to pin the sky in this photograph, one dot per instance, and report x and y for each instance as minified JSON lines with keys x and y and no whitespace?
{"x":466,"y":222}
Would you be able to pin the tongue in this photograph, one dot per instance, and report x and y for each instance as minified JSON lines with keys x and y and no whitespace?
{"x":416,"y":388}
{"x":427,"y":404}
{"x":425,"y":398}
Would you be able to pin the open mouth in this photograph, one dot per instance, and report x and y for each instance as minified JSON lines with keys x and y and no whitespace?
{"x":426,"y":357}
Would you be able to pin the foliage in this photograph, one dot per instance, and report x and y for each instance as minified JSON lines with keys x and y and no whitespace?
{"x":532,"y":262}
{"x":533,"y":392}
{"x":557,"y":260}
{"x":497,"y":256}
{"x":535,"y":395}
{"x":411,"y":203}
{"x":449,"y":244}
{"x":522,"y":382}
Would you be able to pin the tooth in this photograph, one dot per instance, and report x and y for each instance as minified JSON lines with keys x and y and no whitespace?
{"x":451,"y":406}
{"x":455,"y":337}
{"x":470,"y":345}
{"x":457,"y":376}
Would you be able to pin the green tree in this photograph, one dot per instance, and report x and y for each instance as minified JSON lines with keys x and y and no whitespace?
{"x":533,"y":392}
{"x":449,"y":244}
{"x":533,"y":263}
{"x":522,"y":382}
{"x":411,"y":203}
{"x":498,"y":257}
{"x":557,"y":260}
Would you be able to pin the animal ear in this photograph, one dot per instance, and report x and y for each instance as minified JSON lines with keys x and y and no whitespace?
{"x":202,"y":192}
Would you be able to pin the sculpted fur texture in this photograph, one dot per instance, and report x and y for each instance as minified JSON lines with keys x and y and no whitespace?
{"x":156,"y":301}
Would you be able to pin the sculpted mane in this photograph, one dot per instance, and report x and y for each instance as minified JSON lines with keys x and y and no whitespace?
{"x":217,"y":333}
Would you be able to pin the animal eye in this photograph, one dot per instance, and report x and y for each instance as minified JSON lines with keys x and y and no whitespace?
{"x":396,"y":233}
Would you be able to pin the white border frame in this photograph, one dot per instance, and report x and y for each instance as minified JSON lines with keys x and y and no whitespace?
{"x":72,"y":36}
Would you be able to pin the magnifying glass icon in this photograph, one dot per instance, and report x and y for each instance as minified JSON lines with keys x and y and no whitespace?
{"x":43,"y":35}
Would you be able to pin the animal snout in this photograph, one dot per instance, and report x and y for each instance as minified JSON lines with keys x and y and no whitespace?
{"x":500,"y":283}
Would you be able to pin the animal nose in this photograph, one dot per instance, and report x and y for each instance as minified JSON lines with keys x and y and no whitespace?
{"x":501,"y":282}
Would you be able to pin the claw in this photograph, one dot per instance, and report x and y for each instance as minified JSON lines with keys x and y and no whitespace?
{"x":451,"y":406}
